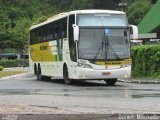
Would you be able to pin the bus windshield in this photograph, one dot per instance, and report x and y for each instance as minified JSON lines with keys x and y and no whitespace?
{"x":99,"y":19}
{"x":104,"y":43}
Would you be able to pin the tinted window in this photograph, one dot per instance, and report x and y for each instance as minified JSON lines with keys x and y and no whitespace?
{"x":64,"y":28}
{"x":33,"y":36}
{"x":102,"y":19}
{"x":72,"y":44}
{"x":61,"y":29}
{"x":52,"y":31}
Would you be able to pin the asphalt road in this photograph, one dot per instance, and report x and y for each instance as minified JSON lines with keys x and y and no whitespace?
{"x":25,"y":95}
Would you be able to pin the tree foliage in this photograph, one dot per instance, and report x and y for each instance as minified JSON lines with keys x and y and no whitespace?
{"x":146,"y":60}
{"x":16,"y":16}
{"x":138,"y":10}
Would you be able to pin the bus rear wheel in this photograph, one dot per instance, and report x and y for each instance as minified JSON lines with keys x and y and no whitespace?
{"x":38,"y":74}
{"x":40,"y":77}
{"x":110,"y":82}
{"x":65,"y":76}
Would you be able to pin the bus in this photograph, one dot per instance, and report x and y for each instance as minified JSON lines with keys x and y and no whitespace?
{"x":82,"y":45}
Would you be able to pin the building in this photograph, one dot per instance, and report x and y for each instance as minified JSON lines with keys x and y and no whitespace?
{"x":150,"y":25}
{"x":8,"y":56}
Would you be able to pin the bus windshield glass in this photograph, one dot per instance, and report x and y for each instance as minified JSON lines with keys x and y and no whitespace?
{"x":104,"y":43}
{"x":99,"y":19}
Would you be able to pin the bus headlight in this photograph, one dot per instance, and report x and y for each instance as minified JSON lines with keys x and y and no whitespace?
{"x":126,"y":65}
{"x":84,"y":65}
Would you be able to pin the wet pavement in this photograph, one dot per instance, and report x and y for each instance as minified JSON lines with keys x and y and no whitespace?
{"x":24,"y":94}
{"x":26,"y":69}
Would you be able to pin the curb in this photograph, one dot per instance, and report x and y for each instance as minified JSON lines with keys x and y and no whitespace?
{"x":140,"y":81}
{"x":13,"y":76}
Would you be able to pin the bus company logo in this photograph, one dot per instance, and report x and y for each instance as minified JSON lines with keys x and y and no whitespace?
{"x":43,"y":47}
{"x":102,"y":14}
{"x":113,"y":63}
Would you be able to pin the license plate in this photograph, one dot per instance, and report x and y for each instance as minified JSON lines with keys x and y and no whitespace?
{"x":106,"y":73}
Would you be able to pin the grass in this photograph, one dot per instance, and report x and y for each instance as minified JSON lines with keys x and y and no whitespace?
{"x":9,"y":73}
{"x":155,"y":76}
{"x":147,"y":78}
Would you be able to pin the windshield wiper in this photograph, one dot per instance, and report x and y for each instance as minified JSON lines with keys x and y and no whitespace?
{"x":113,"y":51}
{"x":99,"y":49}
{"x":117,"y":57}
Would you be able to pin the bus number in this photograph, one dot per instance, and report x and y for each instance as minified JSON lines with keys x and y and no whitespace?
{"x":43,"y":47}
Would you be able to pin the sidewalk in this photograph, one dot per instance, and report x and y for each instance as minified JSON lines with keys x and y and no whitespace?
{"x":26,"y":69}
{"x":139,"y":81}
{"x":16,"y":69}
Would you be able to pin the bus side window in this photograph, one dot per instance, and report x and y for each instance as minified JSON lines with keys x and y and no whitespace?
{"x":42,"y":34}
{"x":37,"y":37}
{"x":39,"y":34}
{"x":45,"y":32}
{"x":33,"y":38}
{"x":57,"y":30}
{"x":72,"y":44}
{"x":50,"y":32}
{"x":64,"y":28}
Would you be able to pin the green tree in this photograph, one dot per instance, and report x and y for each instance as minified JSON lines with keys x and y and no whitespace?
{"x":105,"y":4}
{"x":17,"y":16}
{"x":138,"y":10}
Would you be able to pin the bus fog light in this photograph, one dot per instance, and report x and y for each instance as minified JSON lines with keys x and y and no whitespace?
{"x":124,"y":65}
{"x":125,"y":76}
{"x":129,"y":64}
{"x":84,"y":65}
{"x":84,"y":77}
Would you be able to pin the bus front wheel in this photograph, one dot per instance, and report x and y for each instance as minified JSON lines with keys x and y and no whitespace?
{"x":65,"y":76}
{"x":110,"y":82}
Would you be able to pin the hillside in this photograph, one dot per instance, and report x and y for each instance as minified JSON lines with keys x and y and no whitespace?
{"x":16,"y":16}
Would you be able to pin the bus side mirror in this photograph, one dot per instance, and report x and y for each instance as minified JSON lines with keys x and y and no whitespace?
{"x":75,"y":32}
{"x":134,"y":32}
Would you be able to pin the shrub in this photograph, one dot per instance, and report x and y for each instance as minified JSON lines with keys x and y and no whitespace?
{"x":14,"y":63}
{"x":1,"y":68}
{"x":145,"y":60}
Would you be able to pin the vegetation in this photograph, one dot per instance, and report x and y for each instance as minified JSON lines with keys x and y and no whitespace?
{"x":1,"y":68}
{"x":14,"y":63}
{"x":146,"y":61}
{"x":16,"y":16}
{"x":138,"y":10}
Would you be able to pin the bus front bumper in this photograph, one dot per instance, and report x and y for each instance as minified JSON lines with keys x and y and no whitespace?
{"x":87,"y":74}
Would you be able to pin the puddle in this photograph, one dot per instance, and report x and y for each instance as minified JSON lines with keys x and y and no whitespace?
{"x":146,"y":95}
{"x":18,"y":91}
{"x":96,"y":92}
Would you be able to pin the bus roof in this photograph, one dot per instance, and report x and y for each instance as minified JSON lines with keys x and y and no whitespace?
{"x":65,"y":14}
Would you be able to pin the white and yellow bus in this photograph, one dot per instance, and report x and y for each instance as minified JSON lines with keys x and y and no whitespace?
{"x":82,"y":45}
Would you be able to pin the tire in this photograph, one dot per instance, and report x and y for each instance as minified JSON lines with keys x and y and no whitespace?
{"x":40,"y":77}
{"x":38,"y":74}
{"x":35,"y":69}
{"x":111,"y":82}
{"x":67,"y":81}
{"x":47,"y":78}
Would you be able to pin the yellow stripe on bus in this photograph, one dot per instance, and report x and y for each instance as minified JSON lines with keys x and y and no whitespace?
{"x":42,"y":52}
{"x":113,"y":62}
